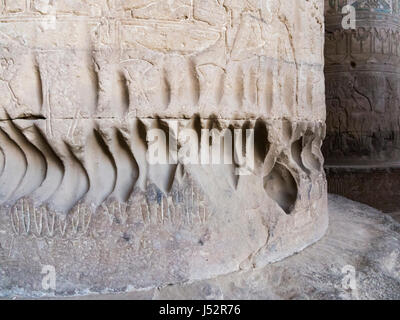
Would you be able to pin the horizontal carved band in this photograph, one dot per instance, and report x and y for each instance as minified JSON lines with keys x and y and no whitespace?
{"x":94,"y":167}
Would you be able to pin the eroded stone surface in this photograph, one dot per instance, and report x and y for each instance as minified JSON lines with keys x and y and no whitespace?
{"x":359,"y":238}
{"x":82,"y":85}
{"x":363,"y":102}
{"x":362,"y":81}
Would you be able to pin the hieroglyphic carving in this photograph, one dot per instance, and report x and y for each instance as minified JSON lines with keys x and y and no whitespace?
{"x":226,"y":55}
{"x":85,"y":83}
{"x":362,"y":75}
{"x":101,"y":172}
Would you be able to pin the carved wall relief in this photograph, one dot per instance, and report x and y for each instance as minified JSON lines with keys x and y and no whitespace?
{"x":362,"y":76}
{"x":88,"y":88}
{"x":362,"y":95}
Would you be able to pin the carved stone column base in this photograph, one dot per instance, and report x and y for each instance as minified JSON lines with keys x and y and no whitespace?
{"x":106,"y":220}
{"x":378,"y":187}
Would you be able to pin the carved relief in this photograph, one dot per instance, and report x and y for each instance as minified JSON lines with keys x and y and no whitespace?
{"x":105,"y":51}
{"x":89,"y":87}
{"x":362,"y":72}
{"x":99,"y":166}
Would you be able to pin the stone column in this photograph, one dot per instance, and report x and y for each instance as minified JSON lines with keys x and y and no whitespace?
{"x":113,"y":117}
{"x":362,"y":72}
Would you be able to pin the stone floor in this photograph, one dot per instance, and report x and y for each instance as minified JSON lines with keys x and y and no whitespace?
{"x":359,"y":258}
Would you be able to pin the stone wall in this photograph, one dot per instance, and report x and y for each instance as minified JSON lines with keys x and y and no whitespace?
{"x":83,"y":86}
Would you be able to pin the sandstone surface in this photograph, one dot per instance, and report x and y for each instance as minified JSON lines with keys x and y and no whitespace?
{"x":85,"y":85}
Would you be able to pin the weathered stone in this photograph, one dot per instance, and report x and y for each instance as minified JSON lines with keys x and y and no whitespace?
{"x":85,"y":86}
{"x":378,"y":187}
{"x":362,"y":70}
{"x":361,"y":242}
{"x":359,"y":258}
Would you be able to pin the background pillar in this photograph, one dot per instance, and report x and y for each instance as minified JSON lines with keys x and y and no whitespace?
{"x":362,"y":147}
